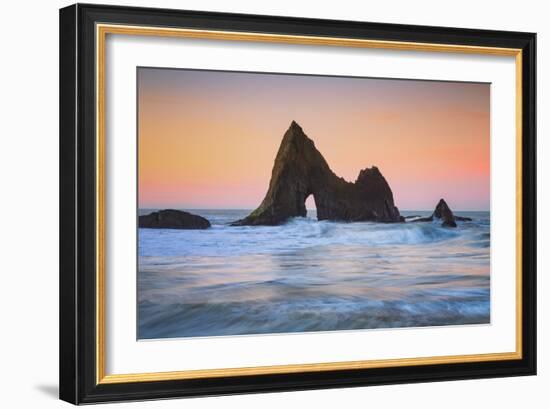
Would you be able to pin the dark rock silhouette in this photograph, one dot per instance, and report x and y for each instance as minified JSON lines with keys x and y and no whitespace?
{"x":300,"y":170}
{"x":173,"y":219}
{"x":444,"y":213}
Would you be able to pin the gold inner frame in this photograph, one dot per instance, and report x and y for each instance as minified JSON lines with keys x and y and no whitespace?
{"x":101,"y":33}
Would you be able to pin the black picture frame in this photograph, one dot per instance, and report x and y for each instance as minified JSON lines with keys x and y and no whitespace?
{"x":78,"y":360}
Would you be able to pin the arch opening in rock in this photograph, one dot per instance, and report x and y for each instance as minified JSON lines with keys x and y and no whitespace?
{"x":311,"y":208}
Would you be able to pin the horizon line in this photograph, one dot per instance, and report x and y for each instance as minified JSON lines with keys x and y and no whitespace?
{"x":307,"y":208}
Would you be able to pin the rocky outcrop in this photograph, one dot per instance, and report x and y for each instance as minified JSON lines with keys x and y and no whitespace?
{"x":300,"y":170}
{"x":173,"y":219}
{"x":444,"y":213}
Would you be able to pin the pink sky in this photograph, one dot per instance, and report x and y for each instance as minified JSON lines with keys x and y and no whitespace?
{"x":208,"y":139}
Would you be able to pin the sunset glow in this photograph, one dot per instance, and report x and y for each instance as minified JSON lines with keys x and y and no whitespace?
{"x":208,"y":139}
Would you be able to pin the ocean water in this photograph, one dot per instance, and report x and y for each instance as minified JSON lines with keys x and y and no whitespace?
{"x":308,"y":275}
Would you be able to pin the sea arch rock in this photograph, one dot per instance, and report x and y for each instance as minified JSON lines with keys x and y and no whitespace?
{"x":300,"y":171}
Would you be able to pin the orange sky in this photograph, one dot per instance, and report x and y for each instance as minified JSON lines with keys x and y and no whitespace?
{"x":208,"y":139}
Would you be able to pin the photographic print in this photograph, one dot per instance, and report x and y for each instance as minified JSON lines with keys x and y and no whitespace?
{"x":254,"y":204}
{"x":286,"y":203}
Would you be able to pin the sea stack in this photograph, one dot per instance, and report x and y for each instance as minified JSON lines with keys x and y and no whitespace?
{"x":173,"y":219}
{"x":444,"y":213}
{"x":300,"y":171}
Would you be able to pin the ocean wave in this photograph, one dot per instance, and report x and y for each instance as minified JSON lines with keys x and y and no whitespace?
{"x":309,"y":275}
{"x":298,"y":233}
{"x":238,"y":318}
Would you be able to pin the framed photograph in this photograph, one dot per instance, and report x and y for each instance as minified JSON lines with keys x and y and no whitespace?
{"x":257,"y":203}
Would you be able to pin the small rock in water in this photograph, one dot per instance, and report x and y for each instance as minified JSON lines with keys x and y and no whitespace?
{"x":173,"y":219}
{"x":444,"y":213}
